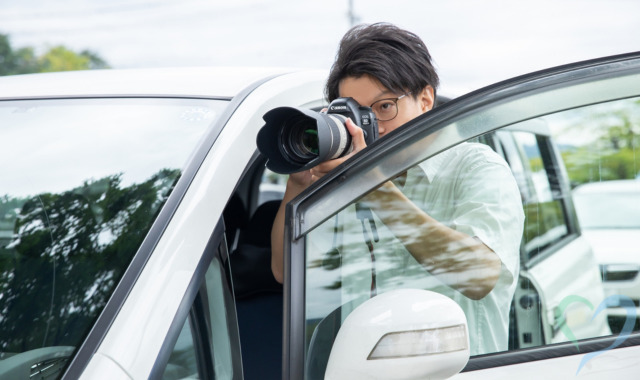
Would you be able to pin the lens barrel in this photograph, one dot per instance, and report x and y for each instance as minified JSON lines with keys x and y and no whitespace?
{"x":295,"y":139}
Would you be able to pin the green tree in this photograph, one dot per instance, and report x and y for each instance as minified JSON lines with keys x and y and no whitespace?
{"x":57,"y":58}
{"x":614,"y":152}
{"x":67,"y":252}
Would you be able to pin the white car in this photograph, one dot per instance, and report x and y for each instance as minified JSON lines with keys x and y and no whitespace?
{"x":609,"y":215}
{"x":134,"y":243}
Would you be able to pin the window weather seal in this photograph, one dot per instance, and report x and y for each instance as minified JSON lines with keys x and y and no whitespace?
{"x":549,"y":352}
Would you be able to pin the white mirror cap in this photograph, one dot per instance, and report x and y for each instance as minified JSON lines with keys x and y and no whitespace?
{"x":401,"y":334}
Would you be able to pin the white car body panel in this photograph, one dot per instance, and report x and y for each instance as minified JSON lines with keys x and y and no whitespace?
{"x":555,"y":286}
{"x":211,"y":82}
{"x":615,"y":246}
{"x":619,"y":250}
{"x":139,"y":330}
{"x":101,"y":367}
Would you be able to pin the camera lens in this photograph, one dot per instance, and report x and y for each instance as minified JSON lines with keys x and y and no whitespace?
{"x":300,"y":139}
{"x":340,"y":140}
{"x":295,"y":139}
{"x":301,"y":143}
{"x":310,"y":140}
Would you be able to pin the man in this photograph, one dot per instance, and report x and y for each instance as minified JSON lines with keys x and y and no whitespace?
{"x":460,"y":231}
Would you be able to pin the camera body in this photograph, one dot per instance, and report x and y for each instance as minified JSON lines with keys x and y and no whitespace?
{"x":362,"y":116}
{"x":295,"y":139}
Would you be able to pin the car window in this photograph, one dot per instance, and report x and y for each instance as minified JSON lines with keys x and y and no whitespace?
{"x":272,"y":186}
{"x":600,"y":145}
{"x":545,"y":218}
{"x":83,"y":180}
{"x":207,"y":347}
{"x":182,"y":362}
{"x":549,"y":288}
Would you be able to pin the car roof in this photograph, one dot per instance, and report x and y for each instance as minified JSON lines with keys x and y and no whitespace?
{"x":207,"y":82}
{"x":615,"y":186}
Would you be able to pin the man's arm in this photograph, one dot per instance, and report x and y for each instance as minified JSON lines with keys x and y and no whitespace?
{"x":296,"y":183}
{"x":448,"y":254}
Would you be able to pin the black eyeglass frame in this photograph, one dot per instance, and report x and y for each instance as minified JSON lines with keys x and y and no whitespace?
{"x":394,"y":100}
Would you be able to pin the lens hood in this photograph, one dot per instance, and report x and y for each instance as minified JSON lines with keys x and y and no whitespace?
{"x":281,"y":139}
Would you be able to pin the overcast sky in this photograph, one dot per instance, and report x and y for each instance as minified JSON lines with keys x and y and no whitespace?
{"x":474,"y":42}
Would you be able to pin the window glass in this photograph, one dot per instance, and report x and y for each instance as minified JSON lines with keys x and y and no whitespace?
{"x":182,"y":362}
{"x":209,"y":340}
{"x":431,"y":227}
{"x":272,"y":186}
{"x":82,"y":182}
{"x":552,"y":291}
{"x":220,"y":309}
{"x":600,"y":145}
{"x":545,"y":220}
{"x":548,"y":285}
{"x":594,"y":209}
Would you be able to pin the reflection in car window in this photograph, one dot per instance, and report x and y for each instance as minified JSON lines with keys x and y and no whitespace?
{"x":272,"y":186}
{"x":365,"y":250}
{"x":600,"y":145}
{"x":208,"y":341}
{"x":182,"y":362}
{"x":609,"y":207}
{"x":83,"y":180}
{"x":557,"y":264}
{"x":545,"y":220}
{"x":560,"y":295}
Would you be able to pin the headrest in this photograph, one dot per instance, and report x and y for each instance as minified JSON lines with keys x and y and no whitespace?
{"x":259,"y":227}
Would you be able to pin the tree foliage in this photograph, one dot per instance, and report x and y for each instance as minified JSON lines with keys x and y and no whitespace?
{"x":614,"y":153}
{"x":67,"y":253}
{"x":57,"y":58}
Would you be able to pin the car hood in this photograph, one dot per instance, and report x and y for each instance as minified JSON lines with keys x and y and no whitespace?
{"x":614,"y":246}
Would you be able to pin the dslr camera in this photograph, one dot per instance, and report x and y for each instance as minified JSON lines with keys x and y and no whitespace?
{"x":296,"y":139}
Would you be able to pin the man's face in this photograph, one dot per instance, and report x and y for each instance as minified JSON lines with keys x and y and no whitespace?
{"x":367,"y":90}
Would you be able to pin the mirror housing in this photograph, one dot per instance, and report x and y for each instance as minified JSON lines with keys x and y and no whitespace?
{"x":401,"y":334}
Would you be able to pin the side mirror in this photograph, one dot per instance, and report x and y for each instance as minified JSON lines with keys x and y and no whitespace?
{"x":401,"y":334}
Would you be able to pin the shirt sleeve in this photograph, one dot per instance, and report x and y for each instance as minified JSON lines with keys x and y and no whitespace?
{"x":489,"y":206}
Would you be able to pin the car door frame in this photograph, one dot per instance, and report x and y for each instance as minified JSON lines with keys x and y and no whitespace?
{"x":311,"y":208}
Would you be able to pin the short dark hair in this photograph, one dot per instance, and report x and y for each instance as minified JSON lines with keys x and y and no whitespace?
{"x":397,"y":58}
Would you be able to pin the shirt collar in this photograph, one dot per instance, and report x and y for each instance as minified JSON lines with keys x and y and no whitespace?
{"x":432,"y":166}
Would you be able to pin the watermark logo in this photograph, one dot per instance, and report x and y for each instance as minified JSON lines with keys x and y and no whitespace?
{"x":620,"y":301}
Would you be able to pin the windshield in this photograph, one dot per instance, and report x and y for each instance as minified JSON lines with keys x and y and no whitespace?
{"x":82,"y":182}
{"x":599,"y":211}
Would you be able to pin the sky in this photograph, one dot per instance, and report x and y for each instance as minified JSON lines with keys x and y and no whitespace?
{"x":474,"y":43}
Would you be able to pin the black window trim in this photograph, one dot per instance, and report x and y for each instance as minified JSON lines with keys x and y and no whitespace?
{"x":294,"y":253}
{"x":549,"y":351}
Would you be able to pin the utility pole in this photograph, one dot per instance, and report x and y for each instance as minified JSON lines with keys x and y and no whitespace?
{"x":353,"y":19}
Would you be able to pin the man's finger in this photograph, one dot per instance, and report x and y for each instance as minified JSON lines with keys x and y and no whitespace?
{"x":357,"y":134}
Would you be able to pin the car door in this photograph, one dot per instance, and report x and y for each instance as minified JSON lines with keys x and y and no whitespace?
{"x":545,"y":309}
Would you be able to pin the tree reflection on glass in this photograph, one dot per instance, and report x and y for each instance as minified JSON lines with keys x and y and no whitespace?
{"x":66,"y":254}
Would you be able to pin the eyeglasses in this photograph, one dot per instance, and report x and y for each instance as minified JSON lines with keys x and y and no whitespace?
{"x":386,"y":109}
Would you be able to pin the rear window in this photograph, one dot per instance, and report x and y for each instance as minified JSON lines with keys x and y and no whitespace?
{"x":82,"y":183}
